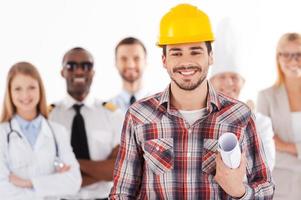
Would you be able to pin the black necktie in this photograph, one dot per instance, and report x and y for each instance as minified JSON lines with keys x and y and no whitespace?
{"x":79,"y":141}
{"x":132,"y":99}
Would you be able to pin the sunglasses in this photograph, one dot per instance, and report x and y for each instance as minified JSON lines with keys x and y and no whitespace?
{"x":85,"y":66}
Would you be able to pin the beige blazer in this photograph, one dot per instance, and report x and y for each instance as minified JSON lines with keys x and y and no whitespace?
{"x":273,"y":102}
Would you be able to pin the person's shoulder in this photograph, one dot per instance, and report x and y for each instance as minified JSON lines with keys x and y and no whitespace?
{"x":105,"y":107}
{"x":55,"y":106}
{"x":3,"y":125}
{"x":227,"y":101}
{"x":50,"y":107}
{"x":150,"y":102}
{"x":109,"y":106}
{"x":116,"y":98}
{"x":270,"y":90}
{"x":147,"y":110}
{"x":270,"y":94}
{"x":234,"y":111}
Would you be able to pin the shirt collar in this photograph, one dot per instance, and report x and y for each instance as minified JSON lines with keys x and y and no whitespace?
{"x":212,"y":98}
{"x":70,"y":101}
{"x":213,"y":101}
{"x":125,"y":95}
{"x":25,"y":124}
{"x":141,"y":93}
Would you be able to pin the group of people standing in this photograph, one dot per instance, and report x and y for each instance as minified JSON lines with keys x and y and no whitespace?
{"x":163,"y":146}
{"x":68,"y":149}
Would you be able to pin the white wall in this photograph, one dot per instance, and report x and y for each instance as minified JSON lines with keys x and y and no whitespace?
{"x":41,"y":31}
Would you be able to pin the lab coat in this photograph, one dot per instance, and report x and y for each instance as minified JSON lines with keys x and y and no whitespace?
{"x":37,"y":163}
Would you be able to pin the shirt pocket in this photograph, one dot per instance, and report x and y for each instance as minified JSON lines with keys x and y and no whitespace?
{"x":209,"y":155}
{"x":158,"y":154}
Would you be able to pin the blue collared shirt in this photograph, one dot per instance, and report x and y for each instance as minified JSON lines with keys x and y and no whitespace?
{"x":122,"y":100}
{"x":30,"y":129}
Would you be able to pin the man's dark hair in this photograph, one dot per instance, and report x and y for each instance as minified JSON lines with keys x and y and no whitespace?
{"x":208,"y":45}
{"x":73,"y":50}
{"x":130,"y":41}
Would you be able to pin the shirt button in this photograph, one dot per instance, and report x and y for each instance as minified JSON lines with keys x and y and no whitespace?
{"x":157,"y":148}
{"x":188,"y":155}
{"x":189,"y":131}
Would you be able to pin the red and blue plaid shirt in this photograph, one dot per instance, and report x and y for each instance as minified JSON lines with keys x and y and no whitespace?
{"x":161,"y":156}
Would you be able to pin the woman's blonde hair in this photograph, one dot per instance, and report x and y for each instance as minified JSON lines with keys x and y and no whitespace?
{"x":27,"y":69}
{"x":284,"y":39}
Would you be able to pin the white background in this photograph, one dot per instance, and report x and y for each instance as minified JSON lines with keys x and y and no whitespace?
{"x":42,"y":31}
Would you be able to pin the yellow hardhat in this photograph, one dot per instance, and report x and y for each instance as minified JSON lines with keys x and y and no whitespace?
{"x":184,"y":24}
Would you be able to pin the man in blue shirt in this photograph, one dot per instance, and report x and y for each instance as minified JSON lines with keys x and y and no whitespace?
{"x":130,"y":58}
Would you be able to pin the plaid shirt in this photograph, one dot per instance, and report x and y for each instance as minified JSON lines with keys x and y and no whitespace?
{"x":161,"y":156}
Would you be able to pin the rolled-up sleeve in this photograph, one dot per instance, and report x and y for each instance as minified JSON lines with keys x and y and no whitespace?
{"x":260,"y":185}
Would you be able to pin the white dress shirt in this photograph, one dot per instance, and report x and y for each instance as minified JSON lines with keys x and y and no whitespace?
{"x":103,"y":128}
{"x":296,"y":126}
{"x":266,"y":133}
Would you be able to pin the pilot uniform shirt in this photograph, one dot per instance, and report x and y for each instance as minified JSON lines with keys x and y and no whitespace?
{"x":103,"y":127}
{"x":162,"y":156}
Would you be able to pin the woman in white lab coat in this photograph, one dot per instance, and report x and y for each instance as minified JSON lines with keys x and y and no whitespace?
{"x":36,"y":159}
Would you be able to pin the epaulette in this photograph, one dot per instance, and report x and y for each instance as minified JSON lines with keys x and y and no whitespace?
{"x":50,"y":107}
{"x":110,"y":106}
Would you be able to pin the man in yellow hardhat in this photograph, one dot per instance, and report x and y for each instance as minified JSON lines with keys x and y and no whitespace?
{"x":169,"y":140}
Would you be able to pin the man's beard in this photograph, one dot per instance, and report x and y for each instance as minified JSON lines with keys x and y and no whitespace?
{"x":190,"y":86}
{"x":130,"y":79}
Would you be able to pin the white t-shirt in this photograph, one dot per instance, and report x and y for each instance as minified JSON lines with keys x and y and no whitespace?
{"x":296,"y":125}
{"x":192,"y":116}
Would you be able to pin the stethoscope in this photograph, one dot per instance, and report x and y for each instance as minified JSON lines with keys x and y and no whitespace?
{"x":58,"y":163}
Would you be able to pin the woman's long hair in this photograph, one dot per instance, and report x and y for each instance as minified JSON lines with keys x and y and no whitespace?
{"x":24,"y":68}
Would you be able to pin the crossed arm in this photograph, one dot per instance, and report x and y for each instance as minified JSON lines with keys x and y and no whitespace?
{"x":287,"y":147}
{"x":94,"y":171}
{"x":27,"y":183}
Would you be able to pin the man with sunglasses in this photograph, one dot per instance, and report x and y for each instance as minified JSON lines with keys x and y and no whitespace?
{"x":94,"y":126}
